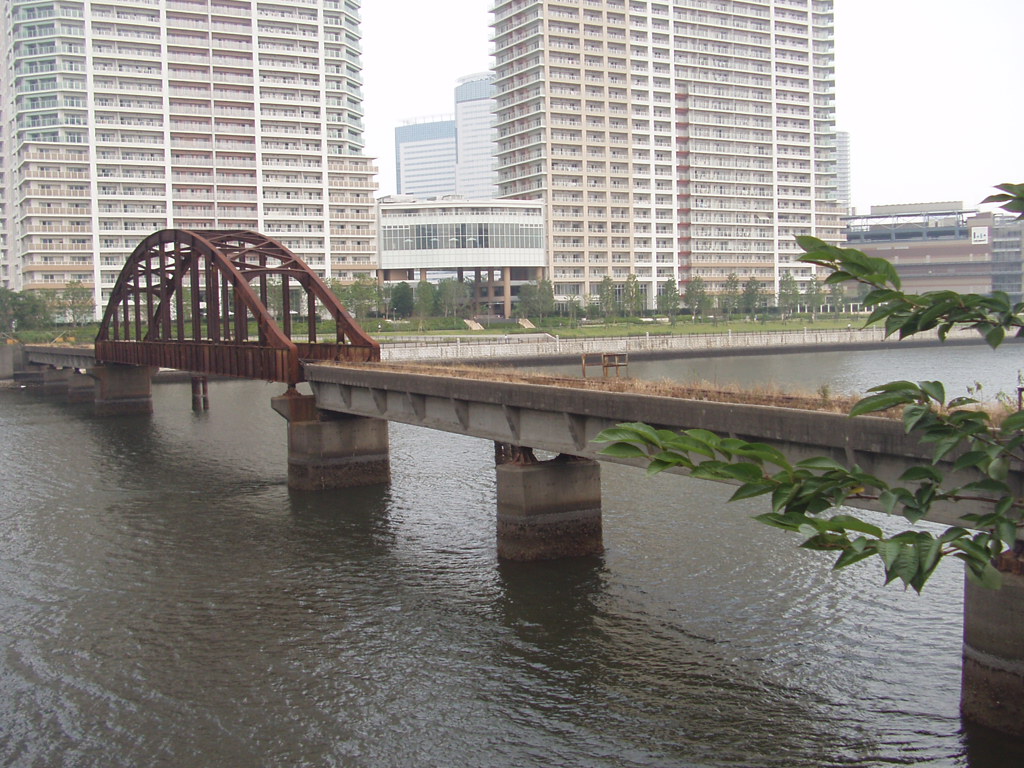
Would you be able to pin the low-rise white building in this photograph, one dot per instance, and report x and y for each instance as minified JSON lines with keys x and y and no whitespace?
{"x":498,"y":244}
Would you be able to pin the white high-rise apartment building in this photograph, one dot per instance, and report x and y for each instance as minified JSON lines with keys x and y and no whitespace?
{"x":844,"y":178}
{"x":127,"y":116}
{"x":670,"y":139}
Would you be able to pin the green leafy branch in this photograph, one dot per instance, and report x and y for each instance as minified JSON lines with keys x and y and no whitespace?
{"x":964,"y":441}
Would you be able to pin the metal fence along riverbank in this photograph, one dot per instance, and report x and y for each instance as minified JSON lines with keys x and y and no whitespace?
{"x":547,"y":345}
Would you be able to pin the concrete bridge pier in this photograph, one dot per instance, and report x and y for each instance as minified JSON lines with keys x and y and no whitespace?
{"x":992,"y":684}
{"x":329,"y":450}
{"x":547,"y":509}
{"x":81,"y":388}
{"x":123,"y":390}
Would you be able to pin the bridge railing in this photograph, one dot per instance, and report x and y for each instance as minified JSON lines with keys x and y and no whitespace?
{"x":247,"y":361}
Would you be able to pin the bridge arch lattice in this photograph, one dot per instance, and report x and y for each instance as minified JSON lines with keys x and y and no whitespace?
{"x":227,"y":302}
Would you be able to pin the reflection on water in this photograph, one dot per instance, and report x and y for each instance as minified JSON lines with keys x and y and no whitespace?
{"x":167,"y":601}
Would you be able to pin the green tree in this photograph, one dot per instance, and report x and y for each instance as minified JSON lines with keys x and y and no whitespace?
{"x":527,"y":304}
{"x":537,"y":299}
{"x":606,"y":297}
{"x":545,"y":299}
{"x":75,"y":303}
{"x":729,"y":300}
{"x":814,"y":295}
{"x":453,"y":297}
{"x":696,"y":297}
{"x":24,"y":311}
{"x":668,"y":299}
{"x":633,"y":297}
{"x":359,"y":297}
{"x":805,"y":495}
{"x":789,"y":294}
{"x":426,"y":299}
{"x":837,"y":298}
{"x":751,"y":298}
{"x":574,"y":308}
{"x":402,"y":301}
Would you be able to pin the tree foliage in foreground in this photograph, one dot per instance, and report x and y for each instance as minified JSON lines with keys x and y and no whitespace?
{"x":805,"y":495}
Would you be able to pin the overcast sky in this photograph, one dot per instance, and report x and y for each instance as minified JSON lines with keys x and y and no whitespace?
{"x":930,"y":90}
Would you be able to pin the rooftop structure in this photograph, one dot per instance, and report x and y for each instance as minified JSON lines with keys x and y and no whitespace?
{"x":942,"y":246}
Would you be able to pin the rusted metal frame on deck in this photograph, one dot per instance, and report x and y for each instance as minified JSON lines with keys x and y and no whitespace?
{"x":228,"y":269}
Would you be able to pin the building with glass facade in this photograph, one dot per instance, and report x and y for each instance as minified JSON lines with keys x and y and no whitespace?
{"x":497,"y":245}
{"x":425,"y":155}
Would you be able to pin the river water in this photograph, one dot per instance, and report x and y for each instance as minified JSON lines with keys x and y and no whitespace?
{"x":166,"y":601}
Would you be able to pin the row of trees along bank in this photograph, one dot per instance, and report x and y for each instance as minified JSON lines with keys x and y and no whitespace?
{"x":452,"y":298}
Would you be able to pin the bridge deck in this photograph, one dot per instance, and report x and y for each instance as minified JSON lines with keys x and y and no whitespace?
{"x":566,"y":419}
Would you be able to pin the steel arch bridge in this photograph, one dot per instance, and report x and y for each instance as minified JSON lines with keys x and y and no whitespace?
{"x":230,"y":303}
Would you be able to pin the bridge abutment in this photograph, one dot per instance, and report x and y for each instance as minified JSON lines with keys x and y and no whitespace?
{"x":123,"y":390}
{"x":332,"y":450}
{"x":548,"y":509}
{"x":44,"y":379}
{"x":992,"y":684}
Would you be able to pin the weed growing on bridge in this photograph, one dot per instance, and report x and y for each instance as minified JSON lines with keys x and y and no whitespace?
{"x":963,"y":439}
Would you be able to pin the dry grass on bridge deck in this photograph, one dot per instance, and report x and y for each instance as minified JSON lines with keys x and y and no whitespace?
{"x":772,"y":396}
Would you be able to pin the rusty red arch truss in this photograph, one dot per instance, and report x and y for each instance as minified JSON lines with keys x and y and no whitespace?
{"x":233,"y":303}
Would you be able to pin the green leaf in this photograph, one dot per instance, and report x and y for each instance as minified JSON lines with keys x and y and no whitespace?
{"x":628,"y":433}
{"x":934,"y":390}
{"x":922,"y":472}
{"x":905,"y":564}
{"x":751,"y":490}
{"x":983,"y":574}
{"x":970,"y":459}
{"x":623,"y":451}
{"x":999,"y":469}
{"x":988,"y":486}
{"x":683,"y":443}
{"x":748,"y":473}
{"x":895,"y":386}
{"x":763,"y":452}
{"x":888,"y":550}
{"x":929,"y":550}
{"x":788,"y":522}
{"x":810,"y":244}
{"x":1013,"y":423}
{"x":851,"y":523}
{"x":825,"y":541}
{"x":657,"y":465}
{"x":1007,"y":532}
{"x":995,"y":337}
{"x":821,"y":462}
{"x":888,"y":499}
{"x":914,"y":414}
{"x":783,"y":494}
{"x":880,"y":402}
{"x":849,"y":557}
